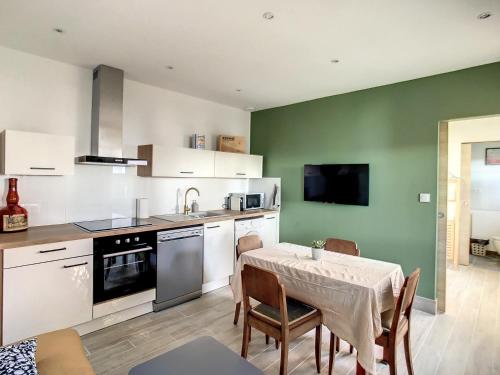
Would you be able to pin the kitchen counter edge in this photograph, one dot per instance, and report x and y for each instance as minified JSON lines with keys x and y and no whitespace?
{"x":69,"y":232}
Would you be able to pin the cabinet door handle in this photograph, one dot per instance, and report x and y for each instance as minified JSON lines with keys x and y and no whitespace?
{"x":52,"y":250}
{"x":44,"y":168}
{"x":186,"y":172}
{"x":76,"y":265}
{"x":241,"y":174}
{"x":270,"y":218}
{"x":215,"y":226}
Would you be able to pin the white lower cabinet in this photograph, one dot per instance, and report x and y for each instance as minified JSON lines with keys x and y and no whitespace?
{"x":43,"y":297}
{"x":270,"y":230}
{"x":218,"y":254}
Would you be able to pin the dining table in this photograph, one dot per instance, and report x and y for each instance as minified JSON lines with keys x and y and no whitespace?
{"x":351,"y":292}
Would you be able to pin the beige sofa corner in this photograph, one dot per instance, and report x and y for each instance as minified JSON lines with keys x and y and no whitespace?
{"x":61,"y":353}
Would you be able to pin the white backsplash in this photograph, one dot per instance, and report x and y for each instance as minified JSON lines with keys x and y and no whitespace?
{"x":101,"y":192}
{"x":59,"y":99}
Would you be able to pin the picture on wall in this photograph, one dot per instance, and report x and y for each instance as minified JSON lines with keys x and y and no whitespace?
{"x":492,"y":156}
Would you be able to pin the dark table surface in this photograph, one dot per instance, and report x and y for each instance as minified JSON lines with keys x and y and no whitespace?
{"x":204,"y":355}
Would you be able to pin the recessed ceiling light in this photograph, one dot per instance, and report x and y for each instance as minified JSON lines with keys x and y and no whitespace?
{"x":268,"y":15}
{"x":484,"y":15}
{"x":58,"y":30}
{"x":334,"y":61}
{"x":169,"y":67}
{"x":250,"y":109}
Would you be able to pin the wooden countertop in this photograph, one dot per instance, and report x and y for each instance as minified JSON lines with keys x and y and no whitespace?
{"x":67,"y":232}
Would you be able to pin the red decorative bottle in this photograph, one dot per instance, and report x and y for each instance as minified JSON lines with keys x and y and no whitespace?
{"x":14,"y":218}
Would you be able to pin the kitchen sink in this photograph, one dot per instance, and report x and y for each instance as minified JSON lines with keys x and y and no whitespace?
{"x":192,"y":216}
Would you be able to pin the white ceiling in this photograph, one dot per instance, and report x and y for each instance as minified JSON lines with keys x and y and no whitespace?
{"x":218,"y":46}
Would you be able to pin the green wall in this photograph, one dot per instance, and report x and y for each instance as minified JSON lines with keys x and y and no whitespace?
{"x":395,"y":129}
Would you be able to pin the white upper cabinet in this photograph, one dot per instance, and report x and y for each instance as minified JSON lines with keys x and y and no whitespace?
{"x":166,"y":161}
{"x":232,"y":165}
{"x":26,"y":153}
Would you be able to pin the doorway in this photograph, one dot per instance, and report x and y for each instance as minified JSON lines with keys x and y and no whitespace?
{"x":460,"y":143}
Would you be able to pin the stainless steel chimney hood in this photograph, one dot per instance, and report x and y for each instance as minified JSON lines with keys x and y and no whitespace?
{"x":107,"y":120}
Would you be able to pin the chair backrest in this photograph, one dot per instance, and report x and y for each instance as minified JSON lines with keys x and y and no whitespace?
{"x":406,"y":297}
{"x":247,"y":243}
{"x":262,"y":285}
{"x":338,"y":245}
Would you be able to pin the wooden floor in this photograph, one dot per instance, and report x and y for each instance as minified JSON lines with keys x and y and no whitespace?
{"x":465,"y":340}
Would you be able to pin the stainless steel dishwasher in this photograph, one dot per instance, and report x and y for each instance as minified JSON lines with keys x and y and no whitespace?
{"x":179,"y":269}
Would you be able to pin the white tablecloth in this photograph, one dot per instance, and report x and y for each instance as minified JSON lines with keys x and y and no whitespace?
{"x":350,"y":291}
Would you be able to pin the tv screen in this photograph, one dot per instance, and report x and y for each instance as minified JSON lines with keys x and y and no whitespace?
{"x":337,"y":183}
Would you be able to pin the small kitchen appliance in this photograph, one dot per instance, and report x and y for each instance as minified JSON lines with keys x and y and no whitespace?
{"x":244,"y":201}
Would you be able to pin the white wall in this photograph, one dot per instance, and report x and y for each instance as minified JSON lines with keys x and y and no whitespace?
{"x":485,"y":193}
{"x":38,"y":94}
{"x":485,"y":129}
{"x":485,"y":179}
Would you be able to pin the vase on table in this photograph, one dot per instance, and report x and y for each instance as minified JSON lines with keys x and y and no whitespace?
{"x":14,"y":218}
{"x":317,"y":253}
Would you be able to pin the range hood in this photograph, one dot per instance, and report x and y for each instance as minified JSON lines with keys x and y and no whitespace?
{"x":107,"y":120}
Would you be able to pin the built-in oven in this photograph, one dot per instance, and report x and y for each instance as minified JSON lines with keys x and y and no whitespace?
{"x":124,"y":265}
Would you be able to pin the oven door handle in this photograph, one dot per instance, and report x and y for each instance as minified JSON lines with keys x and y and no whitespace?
{"x":141,"y":250}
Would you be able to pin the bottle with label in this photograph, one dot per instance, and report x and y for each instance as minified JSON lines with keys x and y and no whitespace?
{"x":14,"y":217}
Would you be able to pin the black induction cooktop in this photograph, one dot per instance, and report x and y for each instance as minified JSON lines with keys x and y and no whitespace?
{"x":110,"y":224}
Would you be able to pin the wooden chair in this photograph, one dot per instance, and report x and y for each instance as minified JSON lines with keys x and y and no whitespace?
{"x":246,"y":243}
{"x":342,"y":246}
{"x":396,"y":325}
{"x":347,"y":247}
{"x":277,"y":316}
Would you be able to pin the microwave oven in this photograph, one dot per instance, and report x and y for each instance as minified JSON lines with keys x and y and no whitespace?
{"x":244,"y":202}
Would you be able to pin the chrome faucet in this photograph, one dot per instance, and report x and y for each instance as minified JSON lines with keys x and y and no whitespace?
{"x":186,"y":207}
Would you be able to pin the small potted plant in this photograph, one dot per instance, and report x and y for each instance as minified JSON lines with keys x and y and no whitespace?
{"x":317,"y":249}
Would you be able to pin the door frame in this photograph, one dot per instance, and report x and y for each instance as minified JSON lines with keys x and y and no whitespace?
{"x":442,"y":214}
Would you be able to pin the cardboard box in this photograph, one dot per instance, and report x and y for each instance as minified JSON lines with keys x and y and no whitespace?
{"x":231,"y":143}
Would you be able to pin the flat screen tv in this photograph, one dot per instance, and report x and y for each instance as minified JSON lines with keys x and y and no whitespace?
{"x":337,"y":183}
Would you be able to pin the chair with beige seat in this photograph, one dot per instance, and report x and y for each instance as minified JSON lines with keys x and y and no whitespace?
{"x":396,"y":326}
{"x":277,"y":316}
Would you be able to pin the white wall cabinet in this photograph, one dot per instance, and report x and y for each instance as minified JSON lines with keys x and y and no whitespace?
{"x":166,"y":161}
{"x":26,"y":153}
{"x":270,"y":230}
{"x":233,"y":165}
{"x":47,"y":296}
{"x":218,"y":254}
